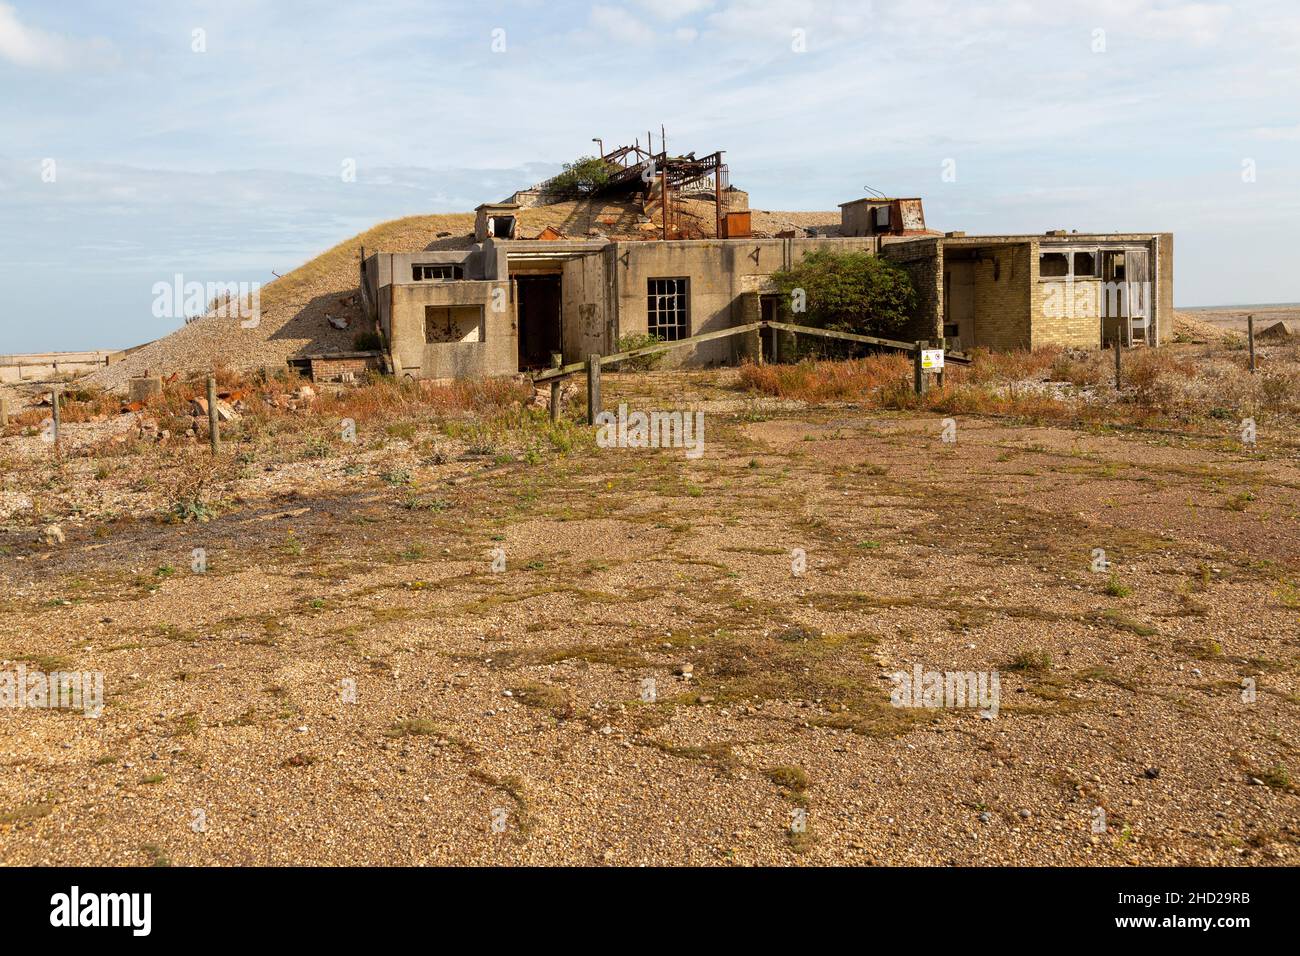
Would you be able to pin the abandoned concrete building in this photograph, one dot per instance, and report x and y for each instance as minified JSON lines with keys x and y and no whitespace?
{"x":510,"y":301}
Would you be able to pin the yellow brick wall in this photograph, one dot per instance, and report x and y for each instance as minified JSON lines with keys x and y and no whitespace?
{"x":1066,"y":313}
{"x":1003,"y":281}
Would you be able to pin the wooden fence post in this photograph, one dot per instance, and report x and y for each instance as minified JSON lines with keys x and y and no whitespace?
{"x":918,"y":373}
{"x":1250,"y":337}
{"x":54,"y":403}
{"x":593,"y":388}
{"x":214,"y":429}
{"x":1119,"y":357}
{"x":556,"y":360}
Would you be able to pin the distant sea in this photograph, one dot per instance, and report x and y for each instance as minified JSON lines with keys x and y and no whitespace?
{"x":1238,"y":308}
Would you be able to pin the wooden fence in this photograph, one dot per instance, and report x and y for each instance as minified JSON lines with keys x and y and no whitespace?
{"x":594,"y":363}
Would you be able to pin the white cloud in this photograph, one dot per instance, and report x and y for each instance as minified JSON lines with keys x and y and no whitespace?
{"x":621,"y":25}
{"x":675,"y":9}
{"x":1279,"y":133}
{"x":30,"y":46}
{"x":1199,"y":23}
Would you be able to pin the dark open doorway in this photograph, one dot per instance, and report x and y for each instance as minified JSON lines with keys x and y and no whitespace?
{"x":769,"y":311}
{"x":539,"y":319}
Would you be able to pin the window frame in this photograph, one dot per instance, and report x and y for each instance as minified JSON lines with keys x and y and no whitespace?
{"x":457,"y":271}
{"x":1065,"y":255}
{"x":1069,"y":253}
{"x":658,"y":296}
{"x":480,"y":324}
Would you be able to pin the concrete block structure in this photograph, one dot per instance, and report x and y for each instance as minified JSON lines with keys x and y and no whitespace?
{"x":507,"y":305}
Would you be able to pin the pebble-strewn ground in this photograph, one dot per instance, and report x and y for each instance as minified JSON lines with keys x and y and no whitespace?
{"x":648,"y":680}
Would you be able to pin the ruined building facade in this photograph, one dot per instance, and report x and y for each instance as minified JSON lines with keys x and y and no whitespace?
{"x":507,"y":304}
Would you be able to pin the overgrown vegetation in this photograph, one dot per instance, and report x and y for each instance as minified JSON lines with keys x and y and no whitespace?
{"x":847,"y":292}
{"x":582,"y":176}
{"x":642,"y":363}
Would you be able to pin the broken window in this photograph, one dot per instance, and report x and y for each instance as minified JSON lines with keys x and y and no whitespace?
{"x":668,"y":309}
{"x":453,"y":323}
{"x":1085,"y":264}
{"x":1053,"y":264}
{"x":439,"y":272}
{"x":1114,"y":266}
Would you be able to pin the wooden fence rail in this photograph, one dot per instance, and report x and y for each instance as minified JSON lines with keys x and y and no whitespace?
{"x":574,"y":368}
{"x":594,"y":363}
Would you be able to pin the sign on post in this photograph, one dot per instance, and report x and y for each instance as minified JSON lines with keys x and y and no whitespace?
{"x":932,"y":360}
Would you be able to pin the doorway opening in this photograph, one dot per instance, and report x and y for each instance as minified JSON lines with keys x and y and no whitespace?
{"x":769,"y":310}
{"x":538,"y":305}
{"x":959,"y":301}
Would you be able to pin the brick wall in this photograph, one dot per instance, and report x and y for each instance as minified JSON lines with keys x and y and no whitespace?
{"x":1067,"y":312}
{"x":922,"y":260}
{"x":1004,"y":280}
{"x":329,"y":369}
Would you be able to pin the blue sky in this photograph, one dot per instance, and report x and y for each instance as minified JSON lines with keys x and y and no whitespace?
{"x":226,"y":164}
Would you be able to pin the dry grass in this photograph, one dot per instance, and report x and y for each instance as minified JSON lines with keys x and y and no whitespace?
{"x":810,"y":381}
{"x":1170,"y":387}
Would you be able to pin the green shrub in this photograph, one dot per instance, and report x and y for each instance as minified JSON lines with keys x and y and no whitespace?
{"x":847,"y":292}
{"x":584,"y":175}
{"x":642,"y":363}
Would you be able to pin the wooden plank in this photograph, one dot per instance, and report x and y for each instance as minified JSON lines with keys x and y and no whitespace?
{"x":576,"y":367}
{"x":842,"y":336}
{"x":593,"y":388}
{"x":959,"y":357}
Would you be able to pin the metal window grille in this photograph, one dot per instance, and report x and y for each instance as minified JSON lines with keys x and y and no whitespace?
{"x":668,"y":308}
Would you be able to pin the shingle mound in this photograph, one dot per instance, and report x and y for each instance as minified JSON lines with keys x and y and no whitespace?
{"x":294,"y":308}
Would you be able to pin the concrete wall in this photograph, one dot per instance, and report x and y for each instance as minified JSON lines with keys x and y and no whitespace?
{"x":858,"y":218}
{"x":497,"y":354}
{"x":1164,"y":287}
{"x":604,"y":293}
{"x":720,"y":273}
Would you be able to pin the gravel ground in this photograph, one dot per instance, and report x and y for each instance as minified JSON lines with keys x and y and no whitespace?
{"x":500,"y":716}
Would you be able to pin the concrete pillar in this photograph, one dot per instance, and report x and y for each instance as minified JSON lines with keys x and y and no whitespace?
{"x":142,"y":389}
